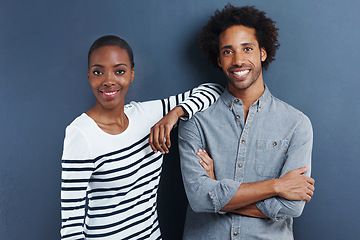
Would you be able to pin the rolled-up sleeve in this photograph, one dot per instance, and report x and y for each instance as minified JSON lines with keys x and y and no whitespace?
{"x":204,"y":194}
{"x":298,"y":155}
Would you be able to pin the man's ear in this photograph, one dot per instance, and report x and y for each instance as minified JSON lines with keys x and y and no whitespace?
{"x":219,"y":62}
{"x":263,"y":54}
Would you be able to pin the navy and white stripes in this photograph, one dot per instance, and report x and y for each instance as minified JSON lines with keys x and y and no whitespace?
{"x":109,"y":182}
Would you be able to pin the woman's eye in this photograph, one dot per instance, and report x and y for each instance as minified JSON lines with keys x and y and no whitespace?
{"x":120,"y":71}
{"x":97,"y":72}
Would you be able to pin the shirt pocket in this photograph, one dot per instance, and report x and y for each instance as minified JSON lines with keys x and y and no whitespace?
{"x":270,"y":157}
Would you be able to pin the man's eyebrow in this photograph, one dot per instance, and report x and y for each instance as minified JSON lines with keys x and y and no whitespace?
{"x":242,"y":44}
{"x":227,"y":46}
{"x":247,"y":44}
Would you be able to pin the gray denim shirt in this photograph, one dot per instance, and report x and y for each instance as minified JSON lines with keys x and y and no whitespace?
{"x":275,"y":139}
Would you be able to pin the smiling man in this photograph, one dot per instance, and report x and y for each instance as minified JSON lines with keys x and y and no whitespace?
{"x":258,"y":176}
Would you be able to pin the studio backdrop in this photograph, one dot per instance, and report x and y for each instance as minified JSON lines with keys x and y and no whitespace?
{"x":43,"y":72}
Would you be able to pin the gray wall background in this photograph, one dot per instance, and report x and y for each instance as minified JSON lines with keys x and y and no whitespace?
{"x":43,"y":72}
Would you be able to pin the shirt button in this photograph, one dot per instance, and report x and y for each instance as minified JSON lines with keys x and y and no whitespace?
{"x":274,"y":143}
{"x":237,"y":116}
{"x":243,"y":141}
{"x":230,"y":105}
{"x":236,"y":100}
{"x":240,"y":165}
{"x":235,"y":233}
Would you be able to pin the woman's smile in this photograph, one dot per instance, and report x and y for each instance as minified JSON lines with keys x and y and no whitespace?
{"x":110,"y":74}
{"x":109,"y":94}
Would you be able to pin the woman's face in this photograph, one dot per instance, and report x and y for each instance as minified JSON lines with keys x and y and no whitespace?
{"x":110,"y":75}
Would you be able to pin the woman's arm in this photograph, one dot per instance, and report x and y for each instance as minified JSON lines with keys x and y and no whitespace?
{"x":76,"y":172}
{"x":183,"y":105}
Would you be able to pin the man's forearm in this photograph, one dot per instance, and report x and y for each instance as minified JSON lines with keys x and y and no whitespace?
{"x":292,"y":186}
{"x":251,"y":211}
{"x":249,"y":193}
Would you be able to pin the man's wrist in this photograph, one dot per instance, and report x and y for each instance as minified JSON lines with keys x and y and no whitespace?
{"x":276,"y":186}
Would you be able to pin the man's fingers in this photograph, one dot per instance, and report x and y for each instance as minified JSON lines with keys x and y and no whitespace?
{"x":207,"y":159}
{"x":311,"y":187}
{"x":310,"y":194}
{"x":303,"y":170}
{"x":204,"y":165}
{"x":311,"y":181}
{"x":203,"y":155}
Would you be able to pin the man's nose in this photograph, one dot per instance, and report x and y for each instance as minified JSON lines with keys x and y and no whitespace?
{"x":238,"y":59}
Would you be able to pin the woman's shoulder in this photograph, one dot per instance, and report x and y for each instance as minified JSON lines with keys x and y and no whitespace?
{"x":144,"y":108}
{"x":80,"y":121}
{"x":82,"y":124}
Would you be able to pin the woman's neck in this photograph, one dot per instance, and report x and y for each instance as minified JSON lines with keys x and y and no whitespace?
{"x":113,"y":121}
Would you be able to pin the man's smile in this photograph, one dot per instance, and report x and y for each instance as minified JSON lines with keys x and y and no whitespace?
{"x":241,"y":73}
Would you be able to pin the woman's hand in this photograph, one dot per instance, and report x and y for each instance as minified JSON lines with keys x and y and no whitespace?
{"x":160,"y":133}
{"x":207,"y":163}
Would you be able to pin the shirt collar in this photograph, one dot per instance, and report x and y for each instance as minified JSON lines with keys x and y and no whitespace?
{"x":229,"y":99}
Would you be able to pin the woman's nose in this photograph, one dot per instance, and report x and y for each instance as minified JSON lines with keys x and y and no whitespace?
{"x":109,"y":80}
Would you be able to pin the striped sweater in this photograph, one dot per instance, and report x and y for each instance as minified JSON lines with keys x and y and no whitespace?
{"x":110,"y":182}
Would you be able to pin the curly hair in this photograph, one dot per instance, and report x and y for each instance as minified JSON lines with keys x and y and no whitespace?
{"x":265,"y":31}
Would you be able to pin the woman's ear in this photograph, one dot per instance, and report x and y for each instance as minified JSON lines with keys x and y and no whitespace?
{"x":132,"y":75}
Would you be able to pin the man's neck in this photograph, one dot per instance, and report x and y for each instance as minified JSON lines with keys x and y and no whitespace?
{"x":248,"y":96}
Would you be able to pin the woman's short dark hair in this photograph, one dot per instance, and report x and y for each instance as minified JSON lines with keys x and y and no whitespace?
{"x":265,"y":31}
{"x":111,"y":40}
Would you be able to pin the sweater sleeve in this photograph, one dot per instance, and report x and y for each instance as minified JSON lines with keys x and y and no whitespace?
{"x":76,"y":172}
{"x":200,"y":98}
{"x":192,"y":101}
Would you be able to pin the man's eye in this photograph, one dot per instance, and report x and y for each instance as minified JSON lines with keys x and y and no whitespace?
{"x":97,"y":72}
{"x":227,"y":52}
{"x":247,"y":49}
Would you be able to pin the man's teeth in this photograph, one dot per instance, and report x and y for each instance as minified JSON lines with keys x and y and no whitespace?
{"x":110,"y":93}
{"x":241,"y":73}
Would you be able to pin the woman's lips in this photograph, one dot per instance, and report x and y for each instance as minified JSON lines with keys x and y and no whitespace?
{"x":109,"y":94}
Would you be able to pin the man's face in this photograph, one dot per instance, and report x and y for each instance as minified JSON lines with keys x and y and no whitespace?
{"x":240,"y":58}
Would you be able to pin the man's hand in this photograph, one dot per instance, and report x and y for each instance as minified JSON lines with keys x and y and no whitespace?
{"x":296,"y":186}
{"x":207,"y":163}
{"x":160,"y":133}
